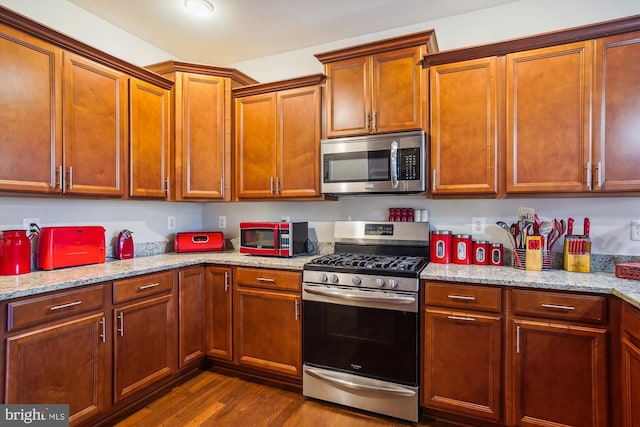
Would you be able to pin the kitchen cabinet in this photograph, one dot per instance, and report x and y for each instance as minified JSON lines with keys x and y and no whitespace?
{"x":218,"y":306}
{"x":558,"y":359}
{"x":464,"y":128}
{"x":94,"y":117}
{"x":378,"y":87}
{"x":149,"y":127}
{"x":616,"y":111}
{"x":58,"y":351}
{"x":144,"y":332}
{"x":191,"y":321}
{"x":267,"y":321}
{"x":31,"y":113}
{"x":630,"y":366}
{"x":462,"y":348}
{"x":201,"y":140}
{"x":278,"y":139}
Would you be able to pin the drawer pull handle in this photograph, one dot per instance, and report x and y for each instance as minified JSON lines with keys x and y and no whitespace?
{"x":153,"y":285}
{"x":558,"y":307}
{"x":466,"y":319}
{"x":60,"y":307}
{"x":266,"y":279}
{"x":462,"y":297}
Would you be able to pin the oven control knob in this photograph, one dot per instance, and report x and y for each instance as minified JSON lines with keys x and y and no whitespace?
{"x":334,"y":278}
{"x":393,"y":283}
{"x":356,"y":280}
{"x":380,"y":282}
{"x":323,"y":277}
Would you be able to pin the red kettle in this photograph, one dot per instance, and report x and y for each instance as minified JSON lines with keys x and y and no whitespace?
{"x":15,"y":252}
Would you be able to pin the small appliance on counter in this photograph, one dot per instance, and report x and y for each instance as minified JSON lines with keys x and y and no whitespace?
{"x":280,"y":239}
{"x":15,"y":252}
{"x":124,"y":245}
{"x":70,"y":246}
{"x":199,"y":241}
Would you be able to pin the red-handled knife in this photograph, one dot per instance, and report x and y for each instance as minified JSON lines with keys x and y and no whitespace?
{"x":587,"y":227}
{"x":570,"y":222}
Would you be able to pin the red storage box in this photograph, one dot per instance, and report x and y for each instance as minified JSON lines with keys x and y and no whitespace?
{"x":629,"y":270}
{"x":201,"y":241}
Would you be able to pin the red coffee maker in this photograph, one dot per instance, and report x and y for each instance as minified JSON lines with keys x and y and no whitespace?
{"x":15,"y":252}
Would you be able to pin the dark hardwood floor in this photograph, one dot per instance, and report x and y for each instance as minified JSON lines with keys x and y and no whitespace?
{"x":213,"y":399}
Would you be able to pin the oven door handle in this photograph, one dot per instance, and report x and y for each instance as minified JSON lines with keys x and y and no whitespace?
{"x":356,"y":297}
{"x":356,"y":386}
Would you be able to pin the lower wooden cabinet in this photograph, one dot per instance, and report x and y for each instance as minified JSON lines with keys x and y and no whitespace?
{"x":191,"y":322}
{"x":218,"y":308}
{"x":630,"y":366}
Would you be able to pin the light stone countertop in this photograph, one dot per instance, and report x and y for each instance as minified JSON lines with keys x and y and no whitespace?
{"x":45,"y":281}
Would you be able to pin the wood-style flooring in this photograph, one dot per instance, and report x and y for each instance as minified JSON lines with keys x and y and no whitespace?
{"x":213,"y":399}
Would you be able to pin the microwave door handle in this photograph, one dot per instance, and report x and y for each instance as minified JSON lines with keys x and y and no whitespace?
{"x":394,"y":164}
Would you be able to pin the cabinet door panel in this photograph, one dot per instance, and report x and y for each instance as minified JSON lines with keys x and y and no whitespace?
{"x":616,"y":112}
{"x":219,"y":313}
{"x":62,"y":364}
{"x":348,"y":97}
{"x":397,"y":81}
{"x":256,"y":146}
{"x":95,"y":127}
{"x":630,"y":383}
{"x":548,"y":118}
{"x":559,"y":375}
{"x":31,"y":113}
{"x":462,"y":367}
{"x":463,"y":124}
{"x":149,"y":143}
{"x":191,"y":312}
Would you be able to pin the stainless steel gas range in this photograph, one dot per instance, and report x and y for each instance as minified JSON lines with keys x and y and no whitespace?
{"x":360,"y":318}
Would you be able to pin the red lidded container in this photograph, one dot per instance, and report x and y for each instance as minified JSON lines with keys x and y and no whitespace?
{"x":496,"y":254}
{"x":440,"y":246}
{"x":15,"y":252}
{"x":481,"y":252}
{"x":462,"y":248}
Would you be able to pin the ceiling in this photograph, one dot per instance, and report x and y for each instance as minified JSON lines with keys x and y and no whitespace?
{"x":246,"y":29}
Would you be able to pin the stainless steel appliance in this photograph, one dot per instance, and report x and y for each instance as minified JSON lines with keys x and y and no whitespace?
{"x":388,"y":163}
{"x":360,"y":318}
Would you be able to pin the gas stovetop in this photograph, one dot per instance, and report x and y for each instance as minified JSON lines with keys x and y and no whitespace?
{"x":359,"y":261}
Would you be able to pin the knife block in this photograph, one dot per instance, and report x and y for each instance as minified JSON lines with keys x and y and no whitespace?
{"x":576,"y":257}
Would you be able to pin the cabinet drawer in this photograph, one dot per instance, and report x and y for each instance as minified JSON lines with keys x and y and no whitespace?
{"x":466,"y":297}
{"x":631,"y":321}
{"x":142,"y":286}
{"x":556,"y":305}
{"x":32,"y":311}
{"x":272,"y":279}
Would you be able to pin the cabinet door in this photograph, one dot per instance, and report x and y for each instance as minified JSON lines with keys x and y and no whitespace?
{"x":61,"y":364}
{"x":397,"y":83}
{"x":218,"y":313}
{"x":268,"y":333}
{"x":298,"y":114}
{"x":191,"y":315}
{"x":630,"y":383}
{"x":548,"y":118}
{"x":559,"y":375}
{"x":144,"y":344}
{"x":256,"y":146}
{"x":348,"y":97}
{"x":95,"y":127}
{"x":31,"y":113}
{"x":149,"y":141}
{"x":202,"y":136}
{"x":616,"y":112}
{"x":462,"y":363}
{"x":463,"y":127}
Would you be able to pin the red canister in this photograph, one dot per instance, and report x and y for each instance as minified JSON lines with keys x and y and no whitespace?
{"x":462,"y":248}
{"x":441,"y":246}
{"x":481,"y":252}
{"x":496,"y":254}
{"x":15,"y":252}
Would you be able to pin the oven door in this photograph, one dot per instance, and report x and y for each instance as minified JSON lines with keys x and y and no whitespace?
{"x":363,"y":332}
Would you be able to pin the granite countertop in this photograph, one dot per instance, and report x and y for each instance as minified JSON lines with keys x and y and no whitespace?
{"x":45,"y":281}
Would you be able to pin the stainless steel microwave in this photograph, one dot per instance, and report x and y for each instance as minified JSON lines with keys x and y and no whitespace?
{"x":387,"y":163}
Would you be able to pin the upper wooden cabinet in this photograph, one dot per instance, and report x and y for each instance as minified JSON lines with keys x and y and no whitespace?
{"x":202,"y":129}
{"x":377,"y":87}
{"x":464,"y":128}
{"x":277,"y":133}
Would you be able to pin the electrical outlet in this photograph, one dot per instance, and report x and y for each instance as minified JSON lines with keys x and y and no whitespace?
{"x":222,"y":222}
{"x":26,"y":224}
{"x":171,"y":222}
{"x":478,"y":224}
{"x":285,"y":218}
{"x":635,"y":229}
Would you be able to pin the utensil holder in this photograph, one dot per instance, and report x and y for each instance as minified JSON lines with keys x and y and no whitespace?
{"x":520,"y":259}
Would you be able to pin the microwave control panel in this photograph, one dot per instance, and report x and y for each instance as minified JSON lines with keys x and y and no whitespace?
{"x":284,"y":239}
{"x":409,"y":164}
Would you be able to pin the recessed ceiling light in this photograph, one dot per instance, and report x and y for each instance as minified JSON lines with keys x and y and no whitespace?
{"x":200,"y":7}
